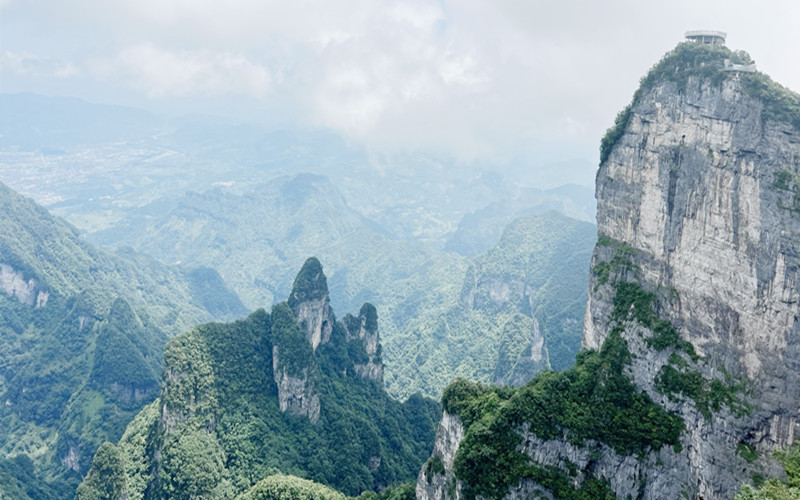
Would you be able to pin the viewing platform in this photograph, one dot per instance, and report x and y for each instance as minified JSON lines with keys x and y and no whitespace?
{"x":742,"y":68}
{"x":707,"y":37}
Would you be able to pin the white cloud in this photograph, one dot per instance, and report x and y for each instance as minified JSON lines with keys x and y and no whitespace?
{"x":463,"y":71}
{"x":27,"y":64}
{"x":467,"y":77}
{"x":163,"y":73}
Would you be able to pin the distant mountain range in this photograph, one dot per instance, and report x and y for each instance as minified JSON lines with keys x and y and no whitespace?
{"x":81,"y":337}
{"x":257,"y":238}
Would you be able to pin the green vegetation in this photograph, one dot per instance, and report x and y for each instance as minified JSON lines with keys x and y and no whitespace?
{"x":206,"y":285}
{"x":774,"y":489}
{"x":75,"y":370}
{"x":621,"y":260}
{"x":221,"y":430}
{"x":433,"y":466}
{"x":614,"y":134}
{"x":192,"y":465}
{"x":310,"y":283}
{"x":19,"y":481}
{"x":705,"y":63}
{"x":107,"y":477}
{"x":780,"y":103}
{"x":594,"y":400}
{"x":117,"y":359}
{"x":282,"y":487}
{"x":708,"y":395}
{"x":632,"y":302}
{"x":369,"y":312}
{"x":747,"y":452}
{"x":402,"y":491}
{"x":294,"y":351}
{"x":692,"y":60}
{"x":786,"y":180}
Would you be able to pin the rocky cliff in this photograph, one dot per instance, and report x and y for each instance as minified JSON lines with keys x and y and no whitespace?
{"x":526,"y":285}
{"x":243,"y":400}
{"x":81,"y":335}
{"x":690,"y":375}
{"x":362,"y":332}
{"x":310,"y":301}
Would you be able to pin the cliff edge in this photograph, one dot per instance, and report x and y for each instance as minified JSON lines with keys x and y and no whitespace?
{"x":688,"y":379}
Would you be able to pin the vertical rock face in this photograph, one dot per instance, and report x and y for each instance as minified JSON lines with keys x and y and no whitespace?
{"x":297,"y":393}
{"x":692,"y":196}
{"x":311,"y":303}
{"x":695,"y":277}
{"x":532,"y":360}
{"x":12,"y":282}
{"x":364,"y":329}
{"x":436,"y":480}
{"x":294,"y":365}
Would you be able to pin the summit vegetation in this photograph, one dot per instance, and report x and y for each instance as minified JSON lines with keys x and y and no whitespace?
{"x":697,"y":63}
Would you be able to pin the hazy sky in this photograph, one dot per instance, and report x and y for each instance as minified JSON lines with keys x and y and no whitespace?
{"x":476,"y":79}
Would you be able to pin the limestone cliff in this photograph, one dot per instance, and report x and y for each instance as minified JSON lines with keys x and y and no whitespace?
{"x":436,"y":480}
{"x":363,"y":330}
{"x":310,"y":301}
{"x":692,"y":310}
{"x":525,"y":288}
{"x":293,"y":362}
{"x":13,"y":282}
{"x":243,"y":400}
{"x":294,"y":365}
{"x":296,"y":393}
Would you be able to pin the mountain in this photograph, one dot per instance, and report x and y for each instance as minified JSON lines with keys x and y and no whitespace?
{"x":293,"y":391}
{"x":102,"y":167}
{"x":254,"y":240}
{"x":81,"y":337}
{"x":688,"y":380}
{"x":478,"y":231}
{"x":50,"y":124}
{"x":518,"y":311}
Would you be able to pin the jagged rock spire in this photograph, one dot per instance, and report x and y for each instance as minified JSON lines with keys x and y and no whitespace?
{"x":311,"y":303}
{"x":364,"y":329}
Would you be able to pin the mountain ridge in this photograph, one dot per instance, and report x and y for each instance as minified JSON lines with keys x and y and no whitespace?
{"x":243,"y":400}
{"x":80,"y":341}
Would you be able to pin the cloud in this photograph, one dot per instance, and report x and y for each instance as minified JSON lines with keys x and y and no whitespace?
{"x":469,"y":78}
{"x":27,"y":64}
{"x":160,"y":73}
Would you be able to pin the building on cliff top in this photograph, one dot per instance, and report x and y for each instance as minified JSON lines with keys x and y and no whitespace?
{"x":707,"y":36}
{"x":744,"y":68}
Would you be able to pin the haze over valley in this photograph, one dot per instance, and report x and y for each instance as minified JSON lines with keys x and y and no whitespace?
{"x":395,"y":250}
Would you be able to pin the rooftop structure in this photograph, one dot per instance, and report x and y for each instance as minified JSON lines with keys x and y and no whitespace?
{"x":742,"y":68}
{"x":707,"y":36}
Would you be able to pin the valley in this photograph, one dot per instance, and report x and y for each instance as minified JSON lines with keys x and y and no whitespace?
{"x":170,"y":284}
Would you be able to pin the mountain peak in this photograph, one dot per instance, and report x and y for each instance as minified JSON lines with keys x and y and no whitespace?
{"x":310,"y":283}
{"x":311,"y":304}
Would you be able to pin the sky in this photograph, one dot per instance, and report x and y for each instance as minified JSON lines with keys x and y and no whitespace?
{"x":480,"y":81}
